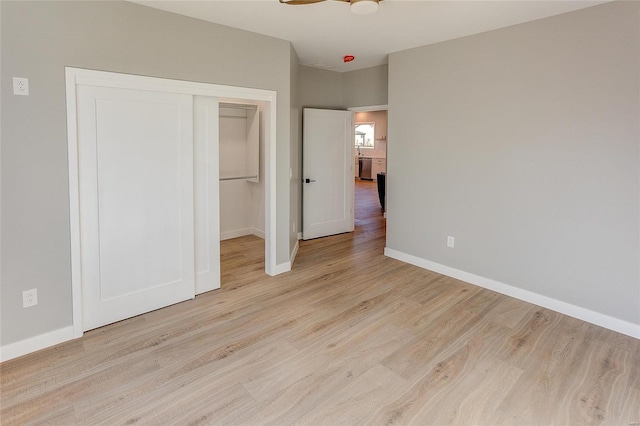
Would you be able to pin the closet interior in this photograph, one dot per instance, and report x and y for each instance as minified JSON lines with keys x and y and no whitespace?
{"x":242,"y":190}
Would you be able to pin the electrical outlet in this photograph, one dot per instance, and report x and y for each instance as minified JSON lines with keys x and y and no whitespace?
{"x":451,"y":242}
{"x":21,"y":86}
{"x":30,"y":298}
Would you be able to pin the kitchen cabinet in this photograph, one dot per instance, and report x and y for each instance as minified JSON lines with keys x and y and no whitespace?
{"x":378,"y":165}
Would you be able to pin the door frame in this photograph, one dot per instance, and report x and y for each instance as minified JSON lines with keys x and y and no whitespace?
{"x":80,"y":76}
{"x":369,"y":108}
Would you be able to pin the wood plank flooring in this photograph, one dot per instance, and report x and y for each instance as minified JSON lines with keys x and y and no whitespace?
{"x":347,"y":337}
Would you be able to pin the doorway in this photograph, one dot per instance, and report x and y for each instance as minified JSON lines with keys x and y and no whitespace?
{"x":370,"y":164}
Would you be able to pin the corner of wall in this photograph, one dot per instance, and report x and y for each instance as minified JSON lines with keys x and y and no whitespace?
{"x":565,"y":308}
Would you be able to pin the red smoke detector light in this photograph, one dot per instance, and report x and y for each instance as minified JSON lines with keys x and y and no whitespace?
{"x":348,"y":58}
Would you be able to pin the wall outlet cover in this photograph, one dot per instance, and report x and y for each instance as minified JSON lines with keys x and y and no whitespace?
{"x":30,"y":298}
{"x":21,"y":86}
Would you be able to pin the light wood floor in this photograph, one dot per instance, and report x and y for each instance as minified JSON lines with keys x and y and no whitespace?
{"x":348,"y":337}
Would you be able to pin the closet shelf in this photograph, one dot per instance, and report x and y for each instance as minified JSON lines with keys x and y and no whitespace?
{"x":238,"y":106}
{"x":238,"y":178}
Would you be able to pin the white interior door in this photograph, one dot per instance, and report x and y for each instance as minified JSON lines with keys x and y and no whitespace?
{"x":135,"y":152}
{"x":207,"y":193}
{"x":327,"y":165}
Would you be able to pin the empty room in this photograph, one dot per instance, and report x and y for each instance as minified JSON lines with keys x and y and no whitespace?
{"x":203,"y":221}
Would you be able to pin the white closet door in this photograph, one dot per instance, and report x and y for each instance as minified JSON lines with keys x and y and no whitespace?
{"x":135,"y":151}
{"x":207,"y":190}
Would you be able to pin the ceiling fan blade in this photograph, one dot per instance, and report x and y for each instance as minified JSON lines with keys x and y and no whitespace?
{"x":298,"y":2}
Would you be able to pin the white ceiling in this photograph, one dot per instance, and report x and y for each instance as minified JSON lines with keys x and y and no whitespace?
{"x":323,"y":33}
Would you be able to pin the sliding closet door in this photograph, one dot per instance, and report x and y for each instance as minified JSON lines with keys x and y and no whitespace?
{"x":207,"y":193}
{"x":135,"y":152}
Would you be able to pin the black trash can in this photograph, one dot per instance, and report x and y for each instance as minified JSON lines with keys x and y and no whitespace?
{"x":382,"y":185}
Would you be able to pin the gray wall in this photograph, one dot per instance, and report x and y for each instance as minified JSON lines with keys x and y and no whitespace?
{"x":333,"y":90}
{"x":366,"y":87}
{"x":523,"y":143}
{"x":38,"y":40}
{"x":319,"y":88}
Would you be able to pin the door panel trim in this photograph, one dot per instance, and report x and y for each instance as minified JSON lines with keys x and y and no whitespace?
{"x":137,"y":234}
{"x":206,"y":187}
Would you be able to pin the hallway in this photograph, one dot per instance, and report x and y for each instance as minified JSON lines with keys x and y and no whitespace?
{"x":369,"y":217}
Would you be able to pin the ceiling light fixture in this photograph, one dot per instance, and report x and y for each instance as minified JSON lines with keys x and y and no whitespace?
{"x":364,"y":7}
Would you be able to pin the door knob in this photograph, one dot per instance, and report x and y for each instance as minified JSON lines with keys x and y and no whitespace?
{"x":309,"y":180}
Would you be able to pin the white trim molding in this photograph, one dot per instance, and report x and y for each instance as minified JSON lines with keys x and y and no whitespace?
{"x":565,"y":308}
{"x":227,"y":235}
{"x":369,"y":108}
{"x":294,"y":252}
{"x":33,"y":344}
{"x":286,"y":267}
{"x":281,"y":268}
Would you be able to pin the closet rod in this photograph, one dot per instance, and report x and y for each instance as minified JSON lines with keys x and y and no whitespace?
{"x":238,"y":178}
{"x":238,"y":106}
{"x":233,"y":116}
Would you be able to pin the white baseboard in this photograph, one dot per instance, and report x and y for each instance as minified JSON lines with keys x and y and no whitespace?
{"x":565,"y":308}
{"x":33,"y":344}
{"x":258,"y":233}
{"x":299,"y":236}
{"x":282,"y":268}
{"x":227,"y":235}
{"x":286,"y":267}
{"x":294,"y":252}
